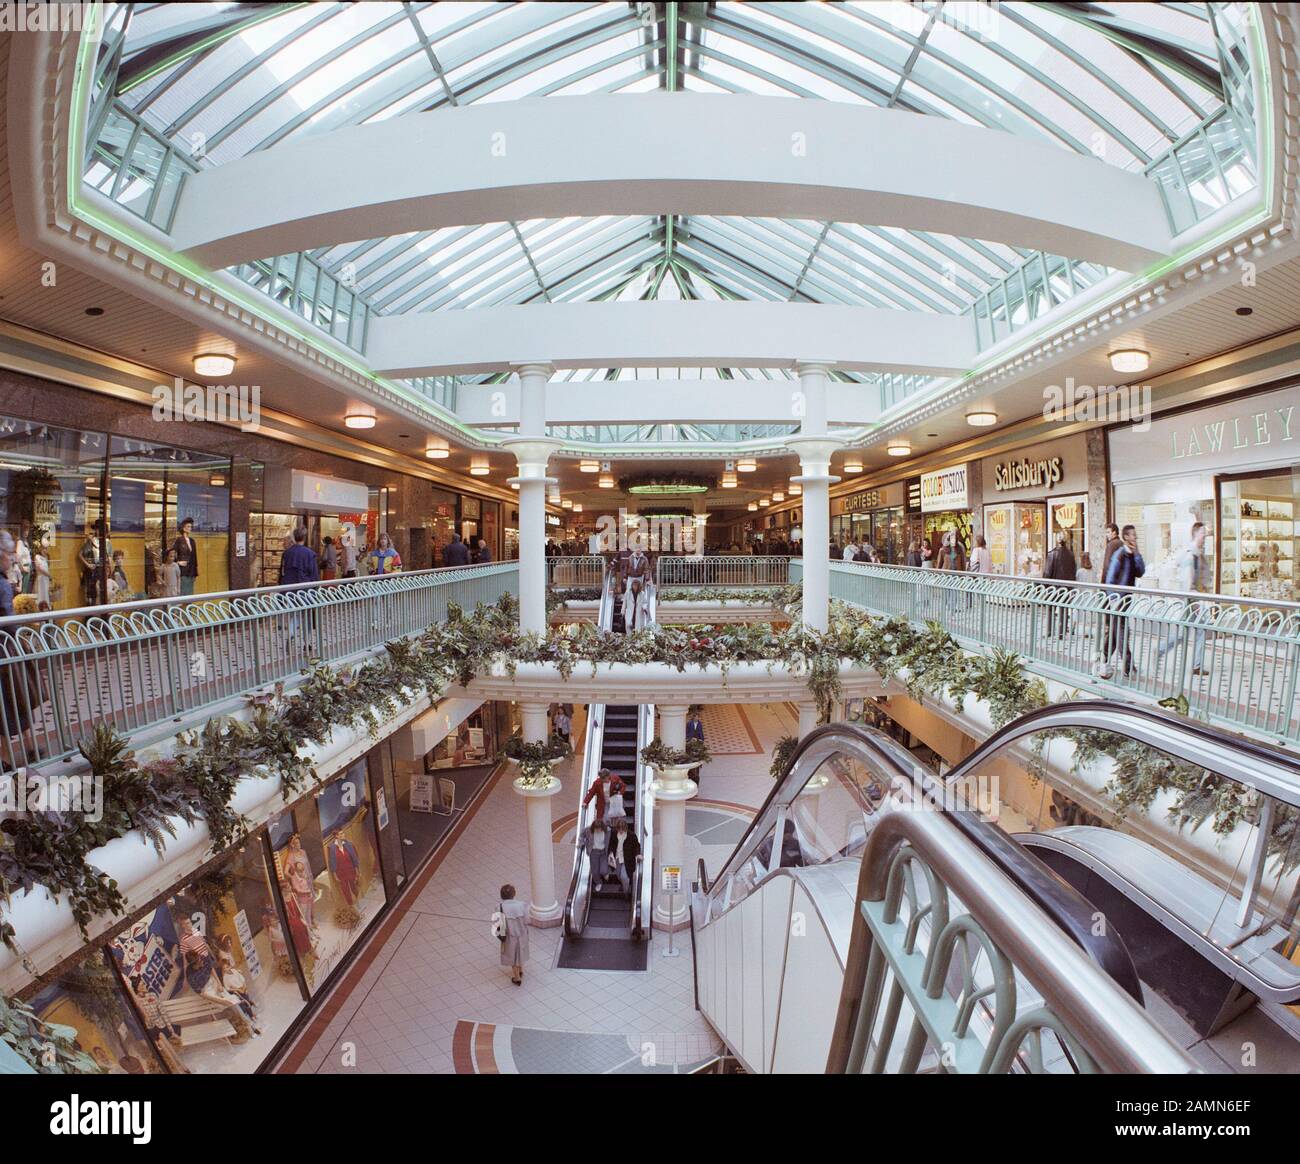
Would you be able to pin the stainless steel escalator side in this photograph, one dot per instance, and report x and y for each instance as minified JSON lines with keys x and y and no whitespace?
{"x":644,"y":814}
{"x":577,"y":903}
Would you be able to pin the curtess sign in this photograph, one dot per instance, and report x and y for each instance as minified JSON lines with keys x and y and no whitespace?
{"x":1028,"y":474}
{"x":944,"y":490}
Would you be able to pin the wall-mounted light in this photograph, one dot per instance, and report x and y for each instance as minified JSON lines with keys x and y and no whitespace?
{"x":359,"y":420}
{"x":479,"y":467}
{"x":898,"y":449}
{"x":981,"y":419}
{"x":1130,"y":360}
{"x":209,"y":364}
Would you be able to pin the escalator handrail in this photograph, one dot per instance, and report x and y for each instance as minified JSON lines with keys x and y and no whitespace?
{"x":643,"y":810}
{"x":885,"y":757}
{"x":577,"y":903}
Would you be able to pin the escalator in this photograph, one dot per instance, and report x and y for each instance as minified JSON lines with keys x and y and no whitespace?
{"x":605,"y":928}
{"x":929,"y":940}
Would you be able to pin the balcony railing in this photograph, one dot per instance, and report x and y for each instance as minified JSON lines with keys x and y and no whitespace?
{"x":1235,"y":660}
{"x":722,"y":570}
{"x":579,"y":570}
{"x":136,"y":665}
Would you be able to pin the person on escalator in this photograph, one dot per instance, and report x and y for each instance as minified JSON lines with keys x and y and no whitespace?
{"x":595,"y":839}
{"x":606,"y":788}
{"x":636,"y":606}
{"x":623,"y":852}
{"x":791,"y":851}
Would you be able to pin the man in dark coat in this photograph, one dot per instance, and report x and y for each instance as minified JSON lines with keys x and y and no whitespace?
{"x":1060,"y":566}
{"x":456,"y":553}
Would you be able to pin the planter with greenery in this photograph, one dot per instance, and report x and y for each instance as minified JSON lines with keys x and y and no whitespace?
{"x":535,"y":760}
{"x":659,"y":755}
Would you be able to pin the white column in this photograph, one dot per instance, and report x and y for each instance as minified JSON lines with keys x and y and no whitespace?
{"x":815,"y":447}
{"x":544,"y":908}
{"x":532,"y":449}
{"x":807,"y":718}
{"x":670,"y":821}
{"x":672,"y":726}
{"x":700,"y":531}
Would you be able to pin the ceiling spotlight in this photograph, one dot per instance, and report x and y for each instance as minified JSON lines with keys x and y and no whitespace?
{"x":899,"y":450}
{"x":747,"y":465}
{"x":853,"y":465}
{"x":213,"y":364}
{"x":778,"y":495}
{"x":796,"y":490}
{"x":479,"y":467}
{"x":588,"y":466}
{"x":359,"y":420}
{"x":1130,"y":360}
{"x":981,"y":419}
{"x":753,"y":505}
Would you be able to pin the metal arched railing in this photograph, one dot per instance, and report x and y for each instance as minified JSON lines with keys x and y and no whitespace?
{"x":142,"y":663}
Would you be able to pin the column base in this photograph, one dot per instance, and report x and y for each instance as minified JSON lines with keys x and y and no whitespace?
{"x":547,"y":917}
{"x":680,"y":921}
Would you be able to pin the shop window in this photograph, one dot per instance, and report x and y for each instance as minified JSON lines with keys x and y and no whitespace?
{"x":51,"y":495}
{"x":327,"y":863}
{"x":1257,"y":546}
{"x":89,"y":998}
{"x":1162,"y":512}
{"x":209,"y":972}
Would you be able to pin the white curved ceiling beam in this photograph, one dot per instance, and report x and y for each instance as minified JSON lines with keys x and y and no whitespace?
{"x":666,"y":402}
{"x":666,"y":333}
{"x":678,"y":153}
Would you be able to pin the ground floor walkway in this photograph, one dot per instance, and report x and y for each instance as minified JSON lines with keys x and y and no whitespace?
{"x":428,"y":994}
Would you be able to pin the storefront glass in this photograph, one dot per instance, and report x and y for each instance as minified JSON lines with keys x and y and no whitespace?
{"x":1016,"y":533}
{"x":208,"y":971}
{"x":1257,"y":546}
{"x":327,"y":864}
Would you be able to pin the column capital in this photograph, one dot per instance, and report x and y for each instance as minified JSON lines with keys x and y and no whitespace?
{"x":533,"y":368}
{"x":812,"y":367}
{"x":531,"y":454}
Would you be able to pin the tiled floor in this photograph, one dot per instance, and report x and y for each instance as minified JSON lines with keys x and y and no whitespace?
{"x":435,"y":998}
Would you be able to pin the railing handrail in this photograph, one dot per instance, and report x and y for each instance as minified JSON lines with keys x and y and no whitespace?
{"x":967,"y":581}
{"x":400,"y":580}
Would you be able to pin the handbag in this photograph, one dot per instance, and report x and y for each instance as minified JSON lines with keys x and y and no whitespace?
{"x":500,"y":930}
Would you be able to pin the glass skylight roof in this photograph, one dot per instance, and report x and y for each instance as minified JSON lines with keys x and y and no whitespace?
{"x":1123,"y":82}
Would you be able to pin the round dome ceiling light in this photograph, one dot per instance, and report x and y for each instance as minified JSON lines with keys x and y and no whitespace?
{"x":479,"y":467}
{"x":588,"y":466}
{"x":747,"y":465}
{"x":1129,"y":360}
{"x":853,"y":465}
{"x":796,"y":490}
{"x":213,"y":364}
{"x":981,"y":419}
{"x":898,"y":449}
{"x":360,"y":420}
{"x":753,"y":505}
{"x":777,"y":495}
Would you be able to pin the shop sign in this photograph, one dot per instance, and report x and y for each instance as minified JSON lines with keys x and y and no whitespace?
{"x":1257,"y":429}
{"x":1028,"y":474}
{"x":914,"y":495}
{"x":944,"y":490}
{"x":866,"y":499}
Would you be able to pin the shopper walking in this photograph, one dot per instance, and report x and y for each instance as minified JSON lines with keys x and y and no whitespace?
{"x":1126,"y":567}
{"x":329,"y":560}
{"x":1192,"y":579}
{"x":1060,"y":567}
{"x":512,"y":931}
{"x":348,"y":554}
{"x":384,"y":558}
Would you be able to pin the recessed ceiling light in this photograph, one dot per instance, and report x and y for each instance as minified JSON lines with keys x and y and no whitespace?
{"x":214,"y":364}
{"x":1130,"y":360}
{"x":899,"y":450}
{"x":359,"y":420}
{"x":980,"y":419}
